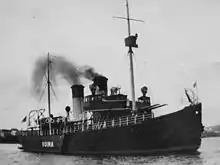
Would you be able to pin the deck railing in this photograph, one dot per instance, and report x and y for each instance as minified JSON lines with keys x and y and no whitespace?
{"x":91,"y":124}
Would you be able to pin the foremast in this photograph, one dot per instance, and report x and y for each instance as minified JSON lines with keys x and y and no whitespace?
{"x":48,"y":89}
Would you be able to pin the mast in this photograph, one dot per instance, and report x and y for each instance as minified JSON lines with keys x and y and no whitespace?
{"x":130,"y":42}
{"x":48,"y":83}
{"x":48,"y":89}
{"x":130,"y":53}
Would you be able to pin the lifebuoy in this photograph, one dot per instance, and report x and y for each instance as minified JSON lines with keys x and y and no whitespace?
{"x":52,"y":121}
{"x":47,"y":120}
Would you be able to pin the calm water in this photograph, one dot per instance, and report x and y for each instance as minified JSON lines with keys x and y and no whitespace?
{"x":209,"y":154}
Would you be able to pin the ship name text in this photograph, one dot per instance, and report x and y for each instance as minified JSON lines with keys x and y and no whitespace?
{"x":47,"y":144}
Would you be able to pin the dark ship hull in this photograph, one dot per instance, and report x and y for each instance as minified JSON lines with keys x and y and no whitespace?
{"x":176,"y":132}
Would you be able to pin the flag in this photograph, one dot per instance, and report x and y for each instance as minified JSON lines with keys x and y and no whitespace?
{"x":24,"y":119}
{"x":196,"y":91}
{"x":195,"y":85}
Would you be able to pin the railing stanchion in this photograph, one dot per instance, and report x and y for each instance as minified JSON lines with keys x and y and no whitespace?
{"x":87,"y":125}
{"x":135,"y":118}
{"x":92,"y":125}
{"x":104,"y":124}
{"x":82,"y":126}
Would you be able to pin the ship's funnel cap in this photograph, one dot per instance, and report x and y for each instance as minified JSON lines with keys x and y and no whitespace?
{"x":101,"y":82}
{"x":77,"y":91}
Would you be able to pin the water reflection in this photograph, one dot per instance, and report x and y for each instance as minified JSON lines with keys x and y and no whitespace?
{"x":171,"y":159}
{"x":209,"y":154}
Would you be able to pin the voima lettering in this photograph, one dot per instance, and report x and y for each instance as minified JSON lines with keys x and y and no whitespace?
{"x":47,"y":144}
{"x":58,"y":120}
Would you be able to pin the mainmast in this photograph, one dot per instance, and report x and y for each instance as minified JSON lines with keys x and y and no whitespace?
{"x":130,"y":53}
{"x":130,"y":42}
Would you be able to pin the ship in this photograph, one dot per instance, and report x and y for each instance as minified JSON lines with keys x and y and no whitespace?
{"x":8,"y":136}
{"x":108,"y":123}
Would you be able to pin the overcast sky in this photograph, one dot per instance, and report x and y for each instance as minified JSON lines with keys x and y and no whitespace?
{"x":178,"y":44}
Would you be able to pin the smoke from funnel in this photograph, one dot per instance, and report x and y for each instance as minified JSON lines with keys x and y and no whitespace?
{"x":69,"y":71}
{"x":59,"y":66}
{"x":89,"y":72}
{"x":38,"y":76}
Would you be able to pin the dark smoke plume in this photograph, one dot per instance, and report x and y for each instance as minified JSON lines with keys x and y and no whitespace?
{"x":58,"y":66}
{"x":89,"y":72}
{"x":38,"y":76}
{"x":69,"y":71}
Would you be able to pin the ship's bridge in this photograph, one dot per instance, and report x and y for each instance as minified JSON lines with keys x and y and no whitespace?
{"x":115,"y":101}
